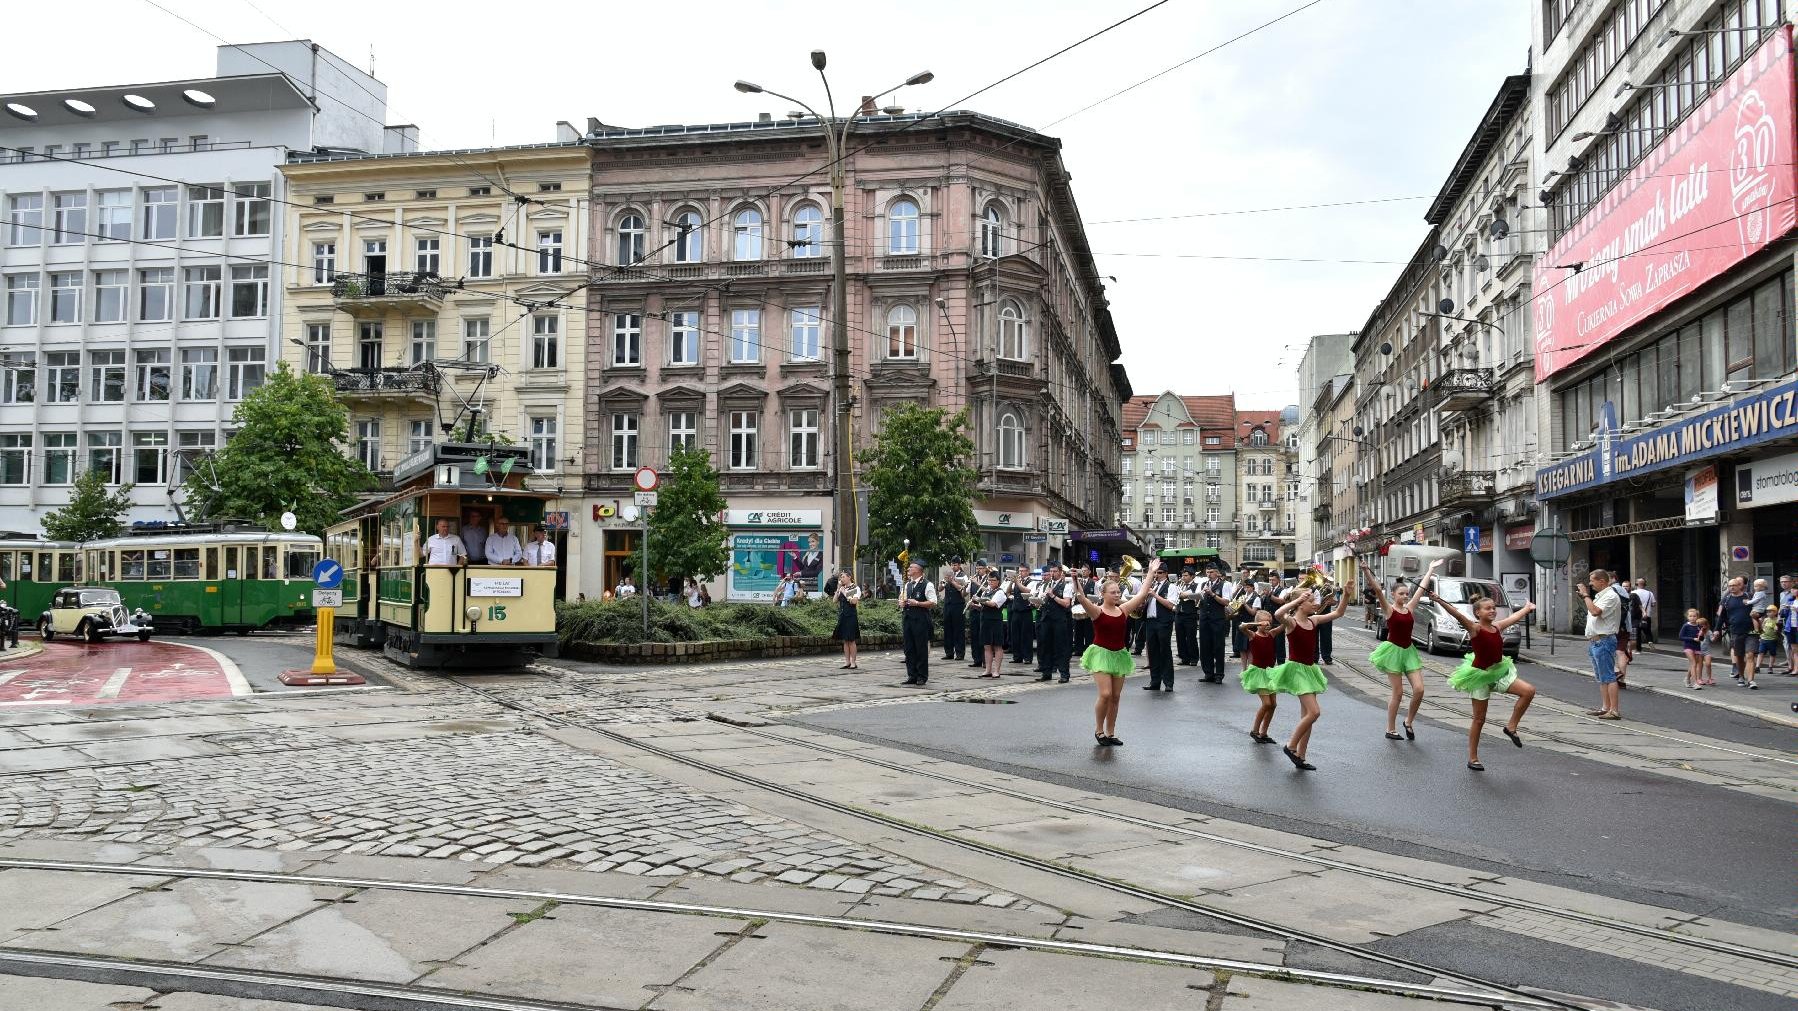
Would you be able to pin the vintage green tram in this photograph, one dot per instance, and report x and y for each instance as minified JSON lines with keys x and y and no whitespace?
{"x":458,"y":615}
{"x":202,"y":580}
{"x":34,"y":569}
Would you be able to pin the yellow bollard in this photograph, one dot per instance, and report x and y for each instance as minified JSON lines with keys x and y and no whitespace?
{"x":324,"y":667}
{"x":322,"y":663}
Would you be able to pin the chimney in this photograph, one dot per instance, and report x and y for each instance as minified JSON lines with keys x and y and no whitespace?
{"x":867,"y":108}
{"x":401,"y":138}
{"x":566,"y":133}
{"x":593,"y":124}
{"x":764,"y":117}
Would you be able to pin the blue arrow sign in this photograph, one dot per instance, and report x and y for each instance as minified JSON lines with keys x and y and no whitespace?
{"x":1470,"y":539}
{"x":327,"y":575}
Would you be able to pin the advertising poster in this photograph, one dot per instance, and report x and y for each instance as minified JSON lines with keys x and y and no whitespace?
{"x":1701,"y":495}
{"x":1773,"y":481}
{"x":758,"y":562}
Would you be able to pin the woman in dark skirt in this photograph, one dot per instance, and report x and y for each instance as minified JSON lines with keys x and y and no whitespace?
{"x":992,"y":629}
{"x":849,"y":626}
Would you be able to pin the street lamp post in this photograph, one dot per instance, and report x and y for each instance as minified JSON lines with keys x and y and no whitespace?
{"x":837,"y":143}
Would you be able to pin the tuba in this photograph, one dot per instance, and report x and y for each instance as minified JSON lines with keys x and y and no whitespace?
{"x":1126,"y":567}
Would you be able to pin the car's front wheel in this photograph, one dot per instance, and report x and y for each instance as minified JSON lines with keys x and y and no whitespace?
{"x":91,"y":630}
{"x":1429,"y":640}
{"x":143,"y":636}
{"x":46,"y":630}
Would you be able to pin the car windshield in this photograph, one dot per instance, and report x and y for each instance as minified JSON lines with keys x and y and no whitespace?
{"x":96,"y":598}
{"x":1466,"y":591}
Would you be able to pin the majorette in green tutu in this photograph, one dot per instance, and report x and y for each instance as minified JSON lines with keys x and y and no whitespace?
{"x":1300,"y":675}
{"x":1396,"y":656}
{"x":1487,"y":669}
{"x":1107,"y":659}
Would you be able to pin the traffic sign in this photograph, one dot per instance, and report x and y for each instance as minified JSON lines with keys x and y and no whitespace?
{"x":1550,"y":549}
{"x":1470,"y":539}
{"x":646,"y":479}
{"x":327,"y":575}
{"x":322,"y":598}
{"x":644,"y":498}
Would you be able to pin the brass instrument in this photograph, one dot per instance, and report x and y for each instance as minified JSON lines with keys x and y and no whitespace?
{"x":1127,"y":566}
{"x":1242,"y":597}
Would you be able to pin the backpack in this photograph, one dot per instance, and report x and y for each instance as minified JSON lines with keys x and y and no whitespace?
{"x":1632,"y":612}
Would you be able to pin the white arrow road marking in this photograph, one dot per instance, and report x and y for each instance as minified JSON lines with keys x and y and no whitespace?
{"x":115,"y":684}
{"x":8,"y":675}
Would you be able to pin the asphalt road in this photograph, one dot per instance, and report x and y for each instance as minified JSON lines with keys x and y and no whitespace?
{"x":1534,"y":813}
{"x":262,"y":656}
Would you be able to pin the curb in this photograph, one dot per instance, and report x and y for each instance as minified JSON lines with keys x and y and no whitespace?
{"x":24,"y":651}
{"x":1693,"y":697}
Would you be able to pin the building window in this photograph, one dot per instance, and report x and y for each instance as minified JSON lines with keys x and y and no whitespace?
{"x":627,"y":339}
{"x":476,"y":340}
{"x":480,"y":256}
{"x":318,"y":348}
{"x":683,"y":430}
{"x":902,"y":332}
{"x":59,"y":457}
{"x":1013,"y":332}
{"x":806,"y":326}
{"x":251,"y":208}
{"x":201,"y":289}
{"x":546,"y":342}
{"x":902,"y":228}
{"x":106,"y":377}
{"x":743,"y":451}
{"x":424,"y":341}
{"x":63,"y":375}
{"x":159,"y":212}
{"x":480,"y":191}
{"x":369,"y":353}
{"x":992,"y":232}
{"x":199,"y":373}
{"x":103,"y":454}
{"x":115,"y":215}
{"x":808,"y":232}
{"x":248,"y":368}
{"x":1187,"y":438}
{"x":65,"y":297}
{"x":374,"y":257}
{"x":71,"y":219}
{"x":190,"y":447}
{"x":689,"y":245}
{"x":25,"y":219}
{"x":1258,"y":438}
{"x":549,"y":252}
{"x":1167,"y":439}
{"x":21,"y":299}
{"x":631,"y":240}
{"x":1011,"y":440}
{"x":18,"y":378}
{"x":624,"y":441}
{"x":745,"y":336}
{"x":368,"y":443}
{"x":149,"y":454}
{"x":249,"y":291}
{"x":683,"y":338}
{"x":543,"y":445}
{"x":802,"y":448}
{"x":427,"y":256}
{"x":205,"y":212}
{"x":324,"y":262}
{"x":153,"y":380}
{"x":746,"y":234}
{"x":418,"y":436}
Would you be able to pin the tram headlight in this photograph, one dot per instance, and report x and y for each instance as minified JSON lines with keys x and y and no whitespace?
{"x":474,"y":614}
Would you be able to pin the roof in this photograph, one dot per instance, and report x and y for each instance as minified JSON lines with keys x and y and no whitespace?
{"x":1248,"y":421}
{"x":1512,"y":95}
{"x":202,"y":537}
{"x":1209,"y":411}
{"x":248,"y":93}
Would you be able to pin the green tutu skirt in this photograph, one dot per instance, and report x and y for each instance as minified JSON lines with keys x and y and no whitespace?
{"x":1099,"y":660}
{"x":1481,"y":682}
{"x":1254,"y":679}
{"x":1390,"y":659}
{"x":1294,"y":678}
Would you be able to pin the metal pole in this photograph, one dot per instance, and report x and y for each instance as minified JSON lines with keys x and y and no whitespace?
{"x":643,"y":577}
{"x":839,"y":335}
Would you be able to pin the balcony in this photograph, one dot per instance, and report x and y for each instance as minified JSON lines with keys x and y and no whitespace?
{"x":1461,"y":389}
{"x":1469,"y":489}
{"x":388,"y":382}
{"x":1268,"y":503}
{"x":393,"y":293}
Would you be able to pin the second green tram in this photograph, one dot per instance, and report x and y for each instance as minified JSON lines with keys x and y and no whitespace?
{"x":34,"y":569}
{"x":203,"y":581}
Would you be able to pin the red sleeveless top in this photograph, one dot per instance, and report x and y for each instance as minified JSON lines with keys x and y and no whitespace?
{"x":1398,"y":628}
{"x":1301,"y":645}
{"x":1108,"y":630}
{"x":1261,"y":650}
{"x":1488,"y":647}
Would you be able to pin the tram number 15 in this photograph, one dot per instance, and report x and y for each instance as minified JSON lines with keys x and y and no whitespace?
{"x":496,"y":613}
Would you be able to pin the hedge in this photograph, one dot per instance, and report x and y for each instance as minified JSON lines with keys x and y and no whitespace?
{"x":621,"y":621}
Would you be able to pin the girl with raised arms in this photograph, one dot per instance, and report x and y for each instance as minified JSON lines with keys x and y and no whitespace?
{"x":1107,"y":659}
{"x":1487,"y":669}
{"x":1397,"y":657}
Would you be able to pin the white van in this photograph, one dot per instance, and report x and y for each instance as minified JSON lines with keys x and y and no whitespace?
{"x":1436,"y":630}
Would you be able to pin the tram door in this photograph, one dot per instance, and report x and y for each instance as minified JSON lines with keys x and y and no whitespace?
{"x":231,"y":587}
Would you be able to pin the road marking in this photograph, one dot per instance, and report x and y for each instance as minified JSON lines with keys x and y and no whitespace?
{"x":113,"y":684}
{"x":233,"y":676}
{"x":8,"y":675}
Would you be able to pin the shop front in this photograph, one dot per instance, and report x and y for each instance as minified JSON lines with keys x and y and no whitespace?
{"x":1008,"y":539}
{"x":1104,"y":548}
{"x":768,"y":545}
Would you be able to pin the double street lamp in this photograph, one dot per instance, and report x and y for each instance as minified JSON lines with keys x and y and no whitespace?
{"x":836,"y":139}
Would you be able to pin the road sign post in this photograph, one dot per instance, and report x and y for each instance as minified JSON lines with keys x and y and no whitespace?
{"x":646,"y":481}
{"x":1550,"y":549}
{"x":327,"y":596}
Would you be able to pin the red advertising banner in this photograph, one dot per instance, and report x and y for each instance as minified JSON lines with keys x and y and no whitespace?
{"x":1715,"y":191}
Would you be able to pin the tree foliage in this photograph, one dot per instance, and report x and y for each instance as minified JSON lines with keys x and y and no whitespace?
{"x":92,"y":512}
{"x":686,"y":529}
{"x":287,"y":453}
{"x":921,"y":486}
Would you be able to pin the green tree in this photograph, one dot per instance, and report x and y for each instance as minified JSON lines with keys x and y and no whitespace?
{"x":92,"y":512}
{"x":686,"y":531}
{"x":288,"y":453}
{"x":921,"y":486}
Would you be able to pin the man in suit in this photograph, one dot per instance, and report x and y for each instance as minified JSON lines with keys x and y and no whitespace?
{"x":1083,"y":622}
{"x":1057,"y":623}
{"x":1019,"y":625}
{"x":1158,"y":630}
{"x":1214,"y":623}
{"x":955,"y":605}
{"x":976,"y":608}
{"x":917,"y":596}
{"x":1186,"y":619}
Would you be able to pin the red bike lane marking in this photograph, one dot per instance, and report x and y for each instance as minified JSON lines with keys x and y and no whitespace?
{"x":81,"y":674}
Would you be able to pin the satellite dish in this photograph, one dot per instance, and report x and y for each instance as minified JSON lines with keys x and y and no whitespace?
{"x":1440,"y":253}
{"x":1385,"y":347}
{"x":1500,"y":228}
{"x":289,"y":521}
{"x":1480,"y":263}
{"x":629,"y":513}
{"x":1447,"y":305}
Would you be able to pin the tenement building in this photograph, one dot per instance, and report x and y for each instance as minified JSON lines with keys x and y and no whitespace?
{"x":1180,"y":486}
{"x":1267,"y":487}
{"x":1663,"y":301}
{"x":1326,"y":357}
{"x":970,"y":287}
{"x":141,"y":269}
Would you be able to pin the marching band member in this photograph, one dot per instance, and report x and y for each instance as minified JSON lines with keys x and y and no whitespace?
{"x":1214,"y":596}
{"x":1186,"y":619}
{"x":1083,"y":619}
{"x":954,"y":594}
{"x":976,"y":616}
{"x":1018,"y":624}
{"x":917,"y":598}
{"x":849,"y":629}
{"x":992,"y":611}
{"x":1057,"y":624}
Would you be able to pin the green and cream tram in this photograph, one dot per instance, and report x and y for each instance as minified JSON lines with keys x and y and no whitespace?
{"x":34,"y":569}
{"x":202,"y":580}
{"x":456,"y":615}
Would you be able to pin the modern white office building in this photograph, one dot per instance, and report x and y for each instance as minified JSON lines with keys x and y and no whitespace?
{"x":140,"y":222}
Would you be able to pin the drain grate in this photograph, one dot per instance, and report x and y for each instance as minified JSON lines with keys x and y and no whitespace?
{"x":987,"y":702}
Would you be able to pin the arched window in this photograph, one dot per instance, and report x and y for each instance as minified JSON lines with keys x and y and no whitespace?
{"x":689,"y":243}
{"x":1011,"y":440}
{"x":902,"y":332}
{"x":808,"y":232}
{"x":1258,"y":438}
{"x":902,"y":228}
{"x":992,"y":232}
{"x":746,"y":234}
{"x":631,"y":235}
{"x":1013,"y":332}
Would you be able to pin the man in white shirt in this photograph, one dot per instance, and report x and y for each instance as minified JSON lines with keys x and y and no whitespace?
{"x":541,"y":550}
{"x":443,"y":547}
{"x":626,"y":588}
{"x":502,"y":544}
{"x":1604,"y":615}
{"x":917,"y":596}
{"x":1646,"y":597}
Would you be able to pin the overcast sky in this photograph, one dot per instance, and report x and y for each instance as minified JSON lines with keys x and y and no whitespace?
{"x":1348,"y":100}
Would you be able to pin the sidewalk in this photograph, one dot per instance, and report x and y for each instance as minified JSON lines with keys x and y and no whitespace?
{"x":1661,"y":669}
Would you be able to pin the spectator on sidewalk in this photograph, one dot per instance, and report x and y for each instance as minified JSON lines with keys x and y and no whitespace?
{"x":1735,"y":617}
{"x":1645,"y":596}
{"x":1788,"y":614}
{"x":1604,"y":614}
{"x":1691,"y":640}
{"x":1771,"y":636}
{"x":1629,"y":629}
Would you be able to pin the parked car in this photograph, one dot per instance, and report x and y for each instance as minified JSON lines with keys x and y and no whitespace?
{"x":92,"y":613}
{"x":1437,"y":630}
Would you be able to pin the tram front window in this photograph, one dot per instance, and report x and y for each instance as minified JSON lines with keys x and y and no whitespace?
{"x":300,"y":563}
